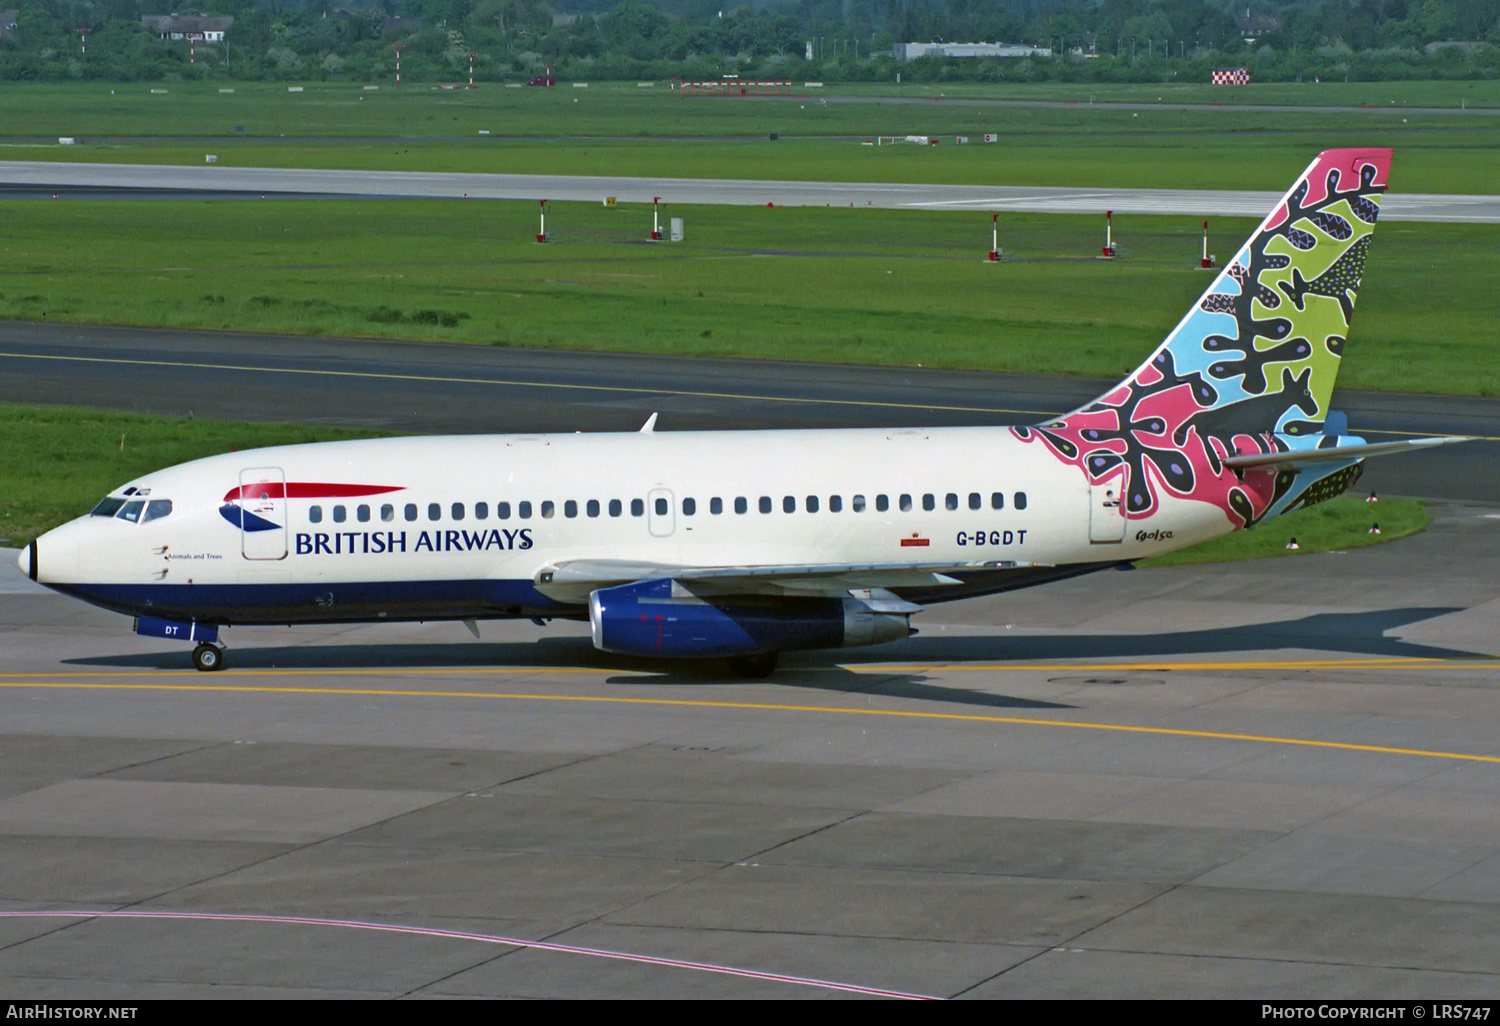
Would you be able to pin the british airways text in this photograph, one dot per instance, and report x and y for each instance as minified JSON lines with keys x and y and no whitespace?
{"x":365,"y":543}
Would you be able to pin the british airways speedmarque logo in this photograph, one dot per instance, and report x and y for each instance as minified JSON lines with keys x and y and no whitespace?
{"x":250,"y":507}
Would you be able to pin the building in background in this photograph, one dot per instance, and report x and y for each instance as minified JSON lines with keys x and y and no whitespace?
{"x":911,"y":51}
{"x":197,"y":27}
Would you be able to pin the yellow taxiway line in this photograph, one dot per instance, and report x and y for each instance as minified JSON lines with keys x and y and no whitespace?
{"x":453,"y":380}
{"x":50,"y":682}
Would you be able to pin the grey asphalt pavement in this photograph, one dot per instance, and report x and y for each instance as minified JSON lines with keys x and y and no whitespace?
{"x":1266,"y":780}
{"x":219,"y":179}
{"x":434,"y":388}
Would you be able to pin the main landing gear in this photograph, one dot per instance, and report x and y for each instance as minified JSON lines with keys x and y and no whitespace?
{"x":208,"y":658}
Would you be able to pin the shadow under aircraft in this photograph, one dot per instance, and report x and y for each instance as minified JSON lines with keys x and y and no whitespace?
{"x":836,"y":673}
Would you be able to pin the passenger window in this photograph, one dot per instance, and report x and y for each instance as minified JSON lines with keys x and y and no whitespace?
{"x":741,"y":505}
{"x":857,"y":504}
{"x":523,"y":510}
{"x":765,"y":504}
{"x":882,"y":503}
{"x":1020,"y":500}
{"x":315,"y":514}
{"x":481,"y":511}
{"x":716,"y":505}
{"x":548,"y":509}
{"x":592,"y":507}
{"x":929,"y":502}
{"x":689,"y":507}
{"x":362,"y":513}
{"x":637,"y":507}
{"x":434,"y":511}
{"x":997,"y":500}
{"x":615,"y":509}
{"x":975,"y":500}
{"x":502,"y":510}
{"x":570,"y":508}
{"x":835,"y":503}
{"x":906,"y":503}
{"x":387,"y":513}
{"x":661,"y":507}
{"x":107,"y":508}
{"x":410,"y":512}
{"x":156,"y":509}
{"x":789,"y":504}
{"x":812,"y":504}
{"x":458,"y":511}
{"x":131,"y":511}
{"x":340,"y":514}
{"x":951,"y":501}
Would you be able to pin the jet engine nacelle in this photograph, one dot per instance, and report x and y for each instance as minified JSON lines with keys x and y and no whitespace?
{"x":663,"y":619}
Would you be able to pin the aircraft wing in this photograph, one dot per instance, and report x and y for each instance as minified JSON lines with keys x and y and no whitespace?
{"x":572,"y":580}
{"x":1336,"y":454}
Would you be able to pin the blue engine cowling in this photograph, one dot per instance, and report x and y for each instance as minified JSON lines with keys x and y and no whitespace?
{"x":662,"y":618}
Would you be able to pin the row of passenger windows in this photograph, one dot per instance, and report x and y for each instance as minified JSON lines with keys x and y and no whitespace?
{"x":662,"y":506}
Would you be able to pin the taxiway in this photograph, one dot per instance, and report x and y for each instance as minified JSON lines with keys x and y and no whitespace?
{"x":1269,"y":778}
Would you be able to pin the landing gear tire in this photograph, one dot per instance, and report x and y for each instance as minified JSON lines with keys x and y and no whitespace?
{"x":208,"y":658}
{"x":754,"y":667}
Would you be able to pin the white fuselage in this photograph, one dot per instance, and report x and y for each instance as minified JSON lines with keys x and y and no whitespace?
{"x":489,"y":514}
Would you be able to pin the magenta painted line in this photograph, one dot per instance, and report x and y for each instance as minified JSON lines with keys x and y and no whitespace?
{"x":483,"y":938}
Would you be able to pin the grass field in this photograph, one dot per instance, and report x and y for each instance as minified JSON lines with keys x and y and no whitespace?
{"x":56,"y":463}
{"x":1341,"y":523}
{"x":620,"y":129}
{"x":835,"y":285}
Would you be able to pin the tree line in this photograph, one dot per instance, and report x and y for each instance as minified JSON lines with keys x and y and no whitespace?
{"x":849,"y":40}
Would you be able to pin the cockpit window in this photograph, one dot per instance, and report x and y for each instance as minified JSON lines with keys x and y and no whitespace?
{"x":156,"y":509}
{"x":107,"y":508}
{"x":131,"y":511}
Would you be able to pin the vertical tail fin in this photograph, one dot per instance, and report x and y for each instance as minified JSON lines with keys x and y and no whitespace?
{"x":1268,"y":334}
{"x":1252,"y":364}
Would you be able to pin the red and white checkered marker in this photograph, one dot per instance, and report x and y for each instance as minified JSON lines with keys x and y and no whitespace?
{"x":1231,"y":76}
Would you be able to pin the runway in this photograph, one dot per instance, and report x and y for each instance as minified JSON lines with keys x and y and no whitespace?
{"x":434,"y":388}
{"x":219,"y":180}
{"x":1270,"y":779}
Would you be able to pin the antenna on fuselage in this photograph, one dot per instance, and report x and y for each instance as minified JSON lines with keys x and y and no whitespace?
{"x":649,"y":428}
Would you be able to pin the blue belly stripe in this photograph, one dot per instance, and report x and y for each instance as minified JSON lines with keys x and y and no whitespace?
{"x":324,"y":602}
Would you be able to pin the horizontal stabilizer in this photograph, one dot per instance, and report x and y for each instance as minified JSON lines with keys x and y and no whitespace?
{"x":1339,"y":454}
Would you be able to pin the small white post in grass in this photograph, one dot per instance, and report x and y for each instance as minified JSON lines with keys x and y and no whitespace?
{"x":541,"y":233}
{"x":1208,"y":261}
{"x":1109,"y":237}
{"x":655,"y":219}
{"x":995,"y":239}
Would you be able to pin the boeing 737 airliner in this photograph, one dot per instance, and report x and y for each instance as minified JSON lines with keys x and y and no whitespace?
{"x":742,"y":544}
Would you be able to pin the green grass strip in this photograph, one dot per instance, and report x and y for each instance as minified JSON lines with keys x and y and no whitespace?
{"x":56,"y":463}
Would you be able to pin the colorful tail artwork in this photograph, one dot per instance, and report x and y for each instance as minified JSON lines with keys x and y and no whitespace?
{"x":1249,"y":370}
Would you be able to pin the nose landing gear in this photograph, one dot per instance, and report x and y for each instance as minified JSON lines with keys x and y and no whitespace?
{"x":208,"y":658}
